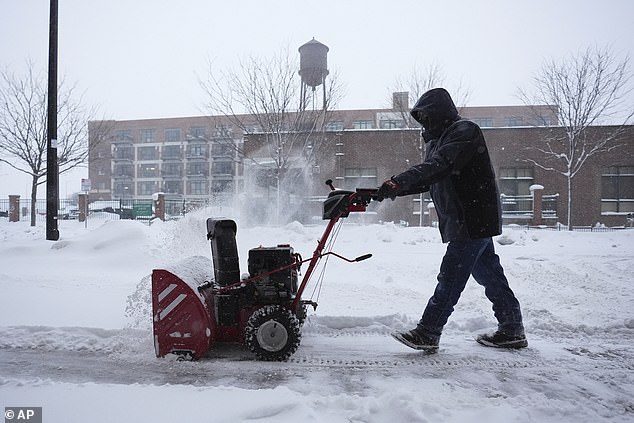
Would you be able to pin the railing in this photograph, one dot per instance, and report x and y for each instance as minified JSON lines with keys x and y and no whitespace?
{"x":521,"y":206}
{"x":69,"y":209}
{"x":138,"y":209}
{"x":560,"y":227}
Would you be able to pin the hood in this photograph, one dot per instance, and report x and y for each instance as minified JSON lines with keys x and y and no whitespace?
{"x":435,"y":110}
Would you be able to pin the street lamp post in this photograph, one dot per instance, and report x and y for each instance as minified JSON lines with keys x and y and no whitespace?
{"x":52,"y":172}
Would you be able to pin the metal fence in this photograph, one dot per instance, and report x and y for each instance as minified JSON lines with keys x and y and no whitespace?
{"x":521,"y":206}
{"x":139,"y":209}
{"x":518,"y":207}
{"x":561,"y":227}
{"x":104,"y":209}
{"x":66,"y":206}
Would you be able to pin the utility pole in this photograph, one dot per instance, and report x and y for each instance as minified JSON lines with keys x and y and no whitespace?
{"x":52,"y":171}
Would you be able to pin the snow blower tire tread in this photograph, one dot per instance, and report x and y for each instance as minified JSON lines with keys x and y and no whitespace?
{"x":278,"y":324}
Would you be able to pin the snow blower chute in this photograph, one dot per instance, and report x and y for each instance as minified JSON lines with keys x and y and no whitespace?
{"x":264,"y":311}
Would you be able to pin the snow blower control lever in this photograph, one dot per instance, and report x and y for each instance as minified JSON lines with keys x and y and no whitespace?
{"x":264,"y":310}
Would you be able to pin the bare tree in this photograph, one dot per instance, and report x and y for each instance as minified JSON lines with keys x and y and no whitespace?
{"x":417,"y":82}
{"x":586,"y":89}
{"x":23,"y":126}
{"x":263,"y":99}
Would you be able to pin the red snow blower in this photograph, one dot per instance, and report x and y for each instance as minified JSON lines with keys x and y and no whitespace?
{"x":263,"y":310}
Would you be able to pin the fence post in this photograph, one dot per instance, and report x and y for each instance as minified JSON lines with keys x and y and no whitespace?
{"x":159,"y":209}
{"x":14,"y":208}
{"x":83,"y":207}
{"x":536,"y":192}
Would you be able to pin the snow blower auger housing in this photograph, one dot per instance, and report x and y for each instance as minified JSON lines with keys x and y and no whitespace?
{"x":263,"y":310}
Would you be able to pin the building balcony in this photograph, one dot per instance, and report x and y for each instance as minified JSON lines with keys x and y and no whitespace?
{"x":200,"y":175}
{"x":196,"y":138}
{"x":172,"y":175}
{"x":122,"y":142}
{"x":122,"y":177}
{"x":198,"y":157}
{"x":122,"y":158}
{"x":172,"y":157}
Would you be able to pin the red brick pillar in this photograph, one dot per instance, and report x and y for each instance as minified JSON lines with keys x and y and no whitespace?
{"x":159,"y":207}
{"x":536,"y":191}
{"x":14,"y":208}
{"x":83,"y":207}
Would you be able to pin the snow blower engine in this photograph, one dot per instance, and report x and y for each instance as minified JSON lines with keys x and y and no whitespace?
{"x":263,"y":310}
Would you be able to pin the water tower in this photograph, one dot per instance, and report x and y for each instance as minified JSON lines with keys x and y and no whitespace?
{"x":313,"y":68}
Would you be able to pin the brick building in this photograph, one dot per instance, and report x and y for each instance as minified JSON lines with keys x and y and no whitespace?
{"x":603,"y":191}
{"x":206,"y":158}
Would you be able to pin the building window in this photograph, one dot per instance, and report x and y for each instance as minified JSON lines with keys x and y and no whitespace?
{"x":148,"y":171}
{"x":197,"y":132}
{"x":617,"y":189}
{"x":222,"y":131}
{"x":251,"y":128}
{"x":516,"y":180}
{"x":122,"y":190}
{"x":123,"y":171}
{"x":222,"y":168}
{"x":335,"y":126}
{"x":198,"y":187}
{"x":173,"y":187}
{"x":391,"y":123}
{"x":197,"y":169}
{"x":362,"y":124}
{"x":360,"y":177}
{"x":172,"y":135}
{"x":147,"y":187}
{"x":148,"y":153}
{"x":222,"y":150}
{"x":197,"y":151}
{"x":514,"y":121}
{"x":123,"y":153}
{"x":171,"y":152}
{"x":172,"y":169}
{"x":484,"y":122}
{"x":123,"y":135}
{"x":545,"y":120}
{"x":147,"y":135}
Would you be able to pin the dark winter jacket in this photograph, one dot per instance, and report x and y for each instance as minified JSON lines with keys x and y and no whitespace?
{"x":457,"y":169}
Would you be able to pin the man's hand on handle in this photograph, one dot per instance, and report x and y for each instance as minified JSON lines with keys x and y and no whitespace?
{"x":389,"y":189}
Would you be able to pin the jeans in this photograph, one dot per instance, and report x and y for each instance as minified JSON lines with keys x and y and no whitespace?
{"x":463,"y":258}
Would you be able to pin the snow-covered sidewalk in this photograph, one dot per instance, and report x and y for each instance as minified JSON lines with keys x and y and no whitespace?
{"x":75,"y":331}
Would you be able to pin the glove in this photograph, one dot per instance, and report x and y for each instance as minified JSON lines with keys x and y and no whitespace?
{"x":390,"y":189}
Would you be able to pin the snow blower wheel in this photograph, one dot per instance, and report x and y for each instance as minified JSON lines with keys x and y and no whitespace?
{"x":273,"y":333}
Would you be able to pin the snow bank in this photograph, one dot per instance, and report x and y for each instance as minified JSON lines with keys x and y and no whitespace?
{"x":75,"y":330}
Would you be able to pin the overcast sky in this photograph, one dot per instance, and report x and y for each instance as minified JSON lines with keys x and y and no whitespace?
{"x":142,"y":58}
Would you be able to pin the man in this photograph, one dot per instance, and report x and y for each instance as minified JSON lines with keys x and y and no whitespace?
{"x":458,"y":173}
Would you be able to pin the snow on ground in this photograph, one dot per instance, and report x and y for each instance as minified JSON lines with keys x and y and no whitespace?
{"x":75,"y":330}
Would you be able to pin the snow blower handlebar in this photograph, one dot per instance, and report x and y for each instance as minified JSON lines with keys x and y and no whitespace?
{"x":363,"y":195}
{"x":338,"y":205}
